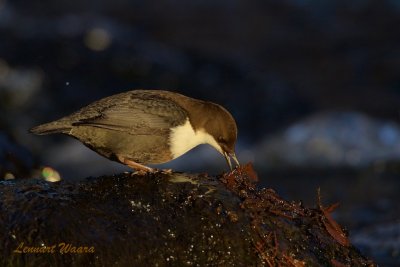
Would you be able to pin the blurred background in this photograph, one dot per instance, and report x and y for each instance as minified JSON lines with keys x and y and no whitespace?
{"x":314,"y":87}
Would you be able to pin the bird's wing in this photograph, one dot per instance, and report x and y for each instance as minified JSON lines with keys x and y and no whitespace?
{"x":132,"y":113}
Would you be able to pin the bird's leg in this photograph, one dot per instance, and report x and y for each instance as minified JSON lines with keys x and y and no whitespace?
{"x":167,"y":171}
{"x":134,"y":165}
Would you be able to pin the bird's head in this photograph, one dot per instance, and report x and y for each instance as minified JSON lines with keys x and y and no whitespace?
{"x":222,"y":127}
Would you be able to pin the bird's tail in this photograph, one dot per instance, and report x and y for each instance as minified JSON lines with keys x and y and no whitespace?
{"x":50,"y":128}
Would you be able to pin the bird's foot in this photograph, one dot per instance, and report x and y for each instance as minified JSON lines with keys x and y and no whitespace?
{"x":142,"y":169}
{"x":166,"y":171}
{"x":139,"y":168}
{"x":153,"y":171}
{"x":142,"y":172}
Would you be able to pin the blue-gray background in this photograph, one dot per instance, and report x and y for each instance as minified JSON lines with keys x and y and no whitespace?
{"x":314,"y":87}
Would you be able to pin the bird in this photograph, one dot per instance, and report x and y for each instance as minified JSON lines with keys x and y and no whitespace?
{"x":142,"y":127}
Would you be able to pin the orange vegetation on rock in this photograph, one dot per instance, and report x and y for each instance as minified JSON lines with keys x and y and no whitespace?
{"x":241,"y":174}
{"x":249,"y":171}
{"x":293,"y":262}
{"x":336,"y":263}
{"x":331,"y":225}
{"x":268,"y":256}
{"x":260,"y":204}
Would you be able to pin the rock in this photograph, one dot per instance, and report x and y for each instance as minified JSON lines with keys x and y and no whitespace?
{"x":165,"y":219}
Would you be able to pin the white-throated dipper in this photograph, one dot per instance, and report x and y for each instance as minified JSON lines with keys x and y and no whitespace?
{"x":143,"y":127}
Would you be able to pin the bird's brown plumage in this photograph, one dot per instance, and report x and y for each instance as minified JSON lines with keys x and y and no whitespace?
{"x":136,"y":124}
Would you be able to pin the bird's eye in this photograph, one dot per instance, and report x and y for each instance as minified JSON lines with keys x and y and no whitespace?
{"x":221,"y":139}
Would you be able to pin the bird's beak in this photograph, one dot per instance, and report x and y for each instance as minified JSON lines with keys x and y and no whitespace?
{"x":228,"y":159}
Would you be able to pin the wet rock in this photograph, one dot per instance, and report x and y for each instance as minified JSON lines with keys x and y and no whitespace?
{"x":164,"y":220}
{"x":333,"y":140}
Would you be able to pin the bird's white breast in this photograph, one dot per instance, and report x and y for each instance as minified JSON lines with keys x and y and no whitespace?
{"x":184,"y":137}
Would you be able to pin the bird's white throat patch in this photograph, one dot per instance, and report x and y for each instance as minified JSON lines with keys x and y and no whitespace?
{"x":183,"y":138}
